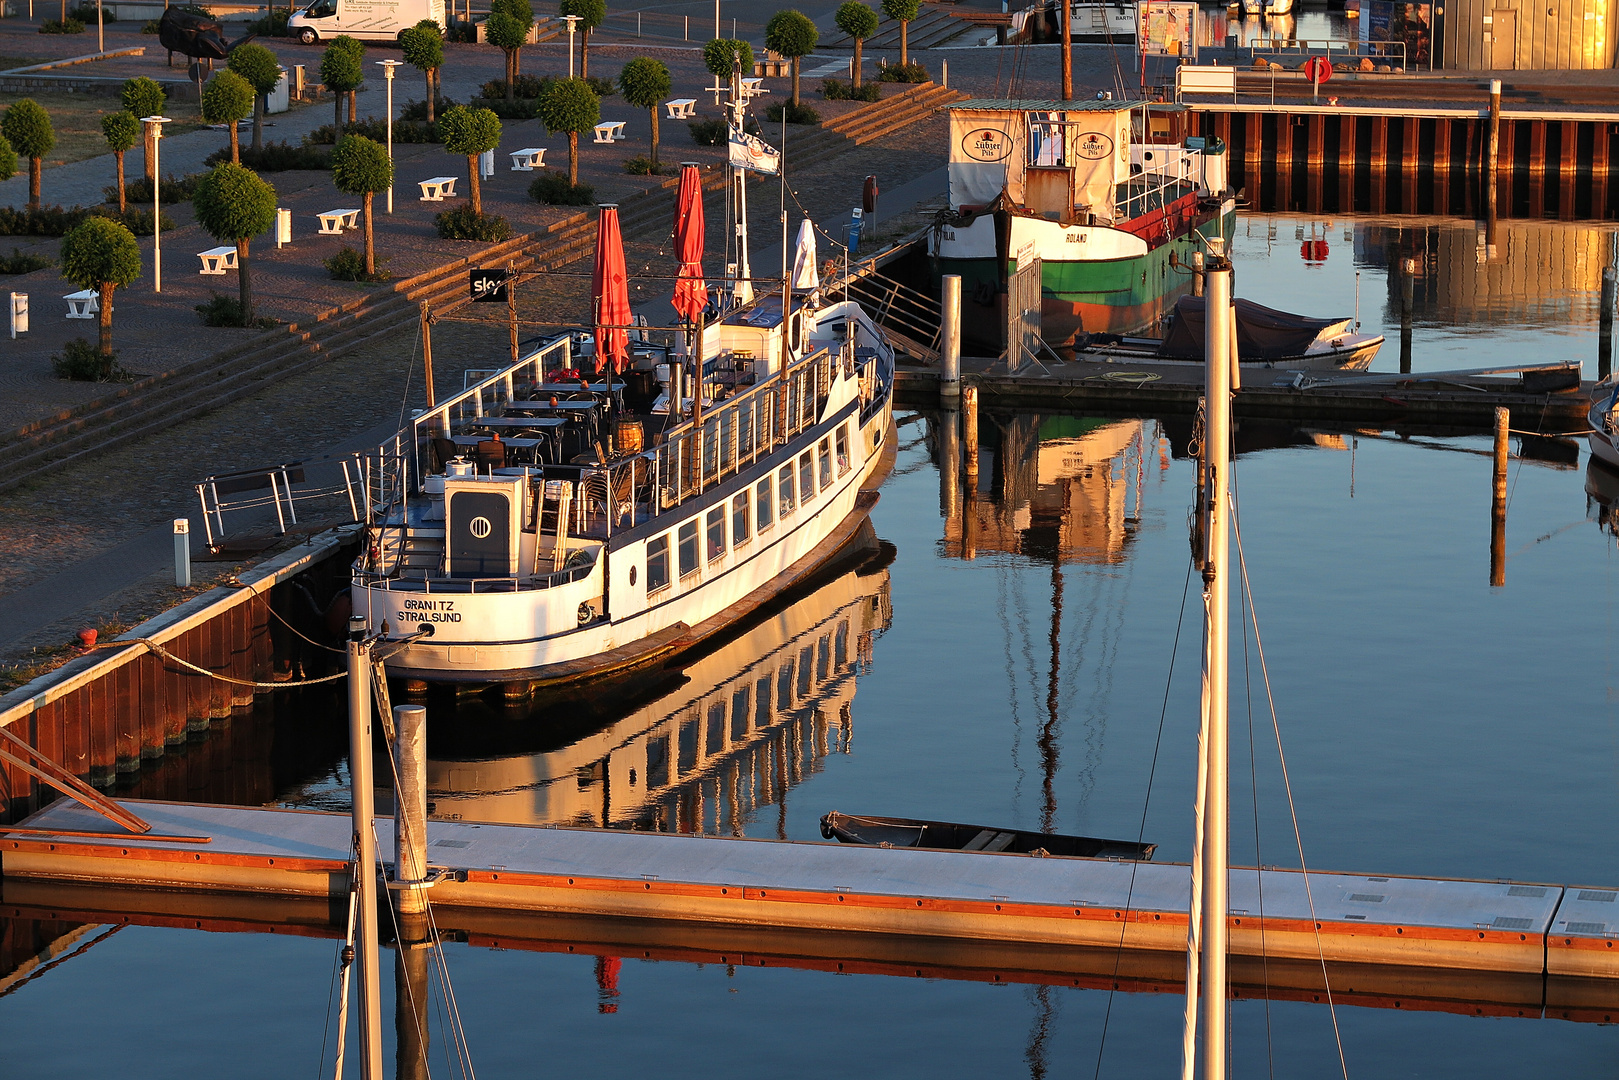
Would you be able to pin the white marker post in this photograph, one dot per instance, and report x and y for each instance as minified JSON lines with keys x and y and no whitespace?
{"x":182,"y":552}
{"x":19,"y":314}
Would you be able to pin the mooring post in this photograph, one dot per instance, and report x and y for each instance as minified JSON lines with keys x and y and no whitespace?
{"x":182,"y":530}
{"x":1494,"y":152}
{"x":411,"y":998}
{"x":1605,"y":320}
{"x":969,"y":436}
{"x":364,"y":867}
{"x":1408,"y":289}
{"x":410,"y":807}
{"x":950,"y":338}
{"x":1498,"y":501}
{"x":949,"y":465}
{"x":1197,"y":273}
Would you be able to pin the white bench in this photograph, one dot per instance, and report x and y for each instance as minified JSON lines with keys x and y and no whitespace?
{"x":217,"y":260}
{"x":84,"y":304}
{"x":1206,"y":80}
{"x":752,"y":88}
{"x":610,"y":132}
{"x":528,"y":159}
{"x":437,"y":188}
{"x":682,"y":108}
{"x":333,"y":222}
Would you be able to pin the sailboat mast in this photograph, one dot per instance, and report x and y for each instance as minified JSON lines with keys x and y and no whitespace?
{"x":743,"y":286}
{"x":1216,"y":600}
{"x":364,"y":868}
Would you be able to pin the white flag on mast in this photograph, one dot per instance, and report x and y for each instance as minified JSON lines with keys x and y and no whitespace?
{"x":752,"y":152}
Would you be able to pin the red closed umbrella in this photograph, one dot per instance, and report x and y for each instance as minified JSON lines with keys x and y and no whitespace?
{"x":691,"y":293}
{"x":610,"y":289}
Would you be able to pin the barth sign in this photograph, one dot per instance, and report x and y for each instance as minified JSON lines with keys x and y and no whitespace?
{"x":986,"y":144}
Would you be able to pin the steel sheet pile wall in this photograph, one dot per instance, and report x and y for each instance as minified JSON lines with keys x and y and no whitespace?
{"x":116,"y":712}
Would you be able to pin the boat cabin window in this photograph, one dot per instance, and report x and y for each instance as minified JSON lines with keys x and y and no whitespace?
{"x":688,"y":548}
{"x":784,"y":485}
{"x":843,"y":449}
{"x":806,"y":476}
{"x":765,"y":504}
{"x":716,"y":533}
{"x":657,"y":564}
{"x":1047,"y":138}
{"x":826,"y":463}
{"x":740,"y":525}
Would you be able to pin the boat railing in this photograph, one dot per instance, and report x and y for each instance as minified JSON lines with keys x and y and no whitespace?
{"x":478,"y":585}
{"x":338,"y":481}
{"x":703,"y":452}
{"x":1167,"y":173}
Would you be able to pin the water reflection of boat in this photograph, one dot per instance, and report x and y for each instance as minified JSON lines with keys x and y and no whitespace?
{"x":1602,"y":495}
{"x":951,"y":836}
{"x":752,"y":718}
{"x":1266,"y":338}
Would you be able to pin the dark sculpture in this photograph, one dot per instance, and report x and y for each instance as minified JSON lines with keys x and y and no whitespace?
{"x":195,"y":36}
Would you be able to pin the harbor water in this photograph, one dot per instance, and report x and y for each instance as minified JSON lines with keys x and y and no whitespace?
{"x":1432,"y":724}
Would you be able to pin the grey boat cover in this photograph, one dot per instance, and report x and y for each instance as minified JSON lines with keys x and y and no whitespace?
{"x":1262,"y":333}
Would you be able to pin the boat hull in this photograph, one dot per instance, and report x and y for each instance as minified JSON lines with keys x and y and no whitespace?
{"x":1604,"y":441}
{"x":1357,"y":357}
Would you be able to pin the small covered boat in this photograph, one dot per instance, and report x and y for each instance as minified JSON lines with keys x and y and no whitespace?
{"x":949,"y":836}
{"x":1604,"y":420}
{"x":1265,"y":338}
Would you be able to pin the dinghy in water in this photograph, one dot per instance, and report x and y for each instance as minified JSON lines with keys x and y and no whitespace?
{"x":949,"y":836}
{"x":1265,"y":338}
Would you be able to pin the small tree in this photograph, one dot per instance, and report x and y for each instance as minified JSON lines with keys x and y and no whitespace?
{"x":361,"y":167}
{"x":723,"y":56}
{"x":644,"y":82}
{"x":570,"y":106}
{"x":102,"y":255}
{"x":145,"y":97}
{"x":859,"y":22}
{"x":506,"y":33}
{"x":423,"y":48}
{"x":120,"y":129}
{"x":356,"y":49}
{"x":902,"y":11}
{"x":470,"y":132}
{"x":792,"y":34}
{"x":342,"y":75}
{"x":228,"y":99}
{"x":8,"y":159}
{"x":592,"y":13}
{"x":234,"y":205}
{"x":27,"y":127}
{"x":258,"y":66}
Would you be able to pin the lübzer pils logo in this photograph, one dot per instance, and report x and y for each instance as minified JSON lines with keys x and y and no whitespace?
{"x":986,"y":144}
{"x":1094,"y":146}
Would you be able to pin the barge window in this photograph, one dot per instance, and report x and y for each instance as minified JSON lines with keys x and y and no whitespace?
{"x":741,"y":528}
{"x":657,"y":564}
{"x":843,"y":449}
{"x":826,"y":464}
{"x":716,"y":533}
{"x":688,"y":548}
{"x":806,"y":476}
{"x":765,"y":504}
{"x":784,"y":482}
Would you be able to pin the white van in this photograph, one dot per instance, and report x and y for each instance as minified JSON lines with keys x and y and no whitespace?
{"x":367,"y":20}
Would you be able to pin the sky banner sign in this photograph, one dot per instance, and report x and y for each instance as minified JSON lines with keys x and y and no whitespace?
{"x":752,"y":152}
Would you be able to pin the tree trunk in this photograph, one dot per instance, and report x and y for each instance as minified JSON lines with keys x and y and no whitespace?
{"x":123,"y":203}
{"x":511,"y":75}
{"x":235,"y":145}
{"x":64,"y":10}
{"x":584,"y":54}
{"x":795,"y":82}
{"x":258,"y":121}
{"x":150,"y":145}
{"x":472,"y":184}
{"x":106,"y":329}
{"x":654,"y":111}
{"x":353,"y":115}
{"x":517,"y":62}
{"x":370,"y":247}
{"x":904,"y":42}
{"x":244,"y":276}
{"x":857,"y":44}
{"x":430,"y":95}
{"x":337,"y":116}
{"x":573,"y":157}
{"x":34,"y":167}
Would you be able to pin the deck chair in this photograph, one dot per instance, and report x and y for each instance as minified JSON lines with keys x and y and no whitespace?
{"x":491,"y":454}
{"x":444,"y":451}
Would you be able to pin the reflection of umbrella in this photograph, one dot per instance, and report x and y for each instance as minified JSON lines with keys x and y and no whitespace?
{"x":805,"y":275}
{"x":691,"y":294}
{"x":610,"y":292}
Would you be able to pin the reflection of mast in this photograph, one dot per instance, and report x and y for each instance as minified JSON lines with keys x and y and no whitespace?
{"x":1049,"y":750}
{"x":1040,"y":1034}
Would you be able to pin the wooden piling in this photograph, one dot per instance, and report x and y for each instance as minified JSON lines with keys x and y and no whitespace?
{"x":410,"y":807}
{"x":1537,"y":168}
{"x":1568,"y":157}
{"x":1441,"y":165}
{"x":1408,"y":275}
{"x":1601,"y":143}
{"x":1253,"y":152}
{"x":1498,"y":502}
{"x":1410,"y":163}
{"x":1284,"y":161}
{"x":1492,"y":153}
{"x":1378,"y":163}
{"x":1605,"y":324}
{"x":1346,"y":163}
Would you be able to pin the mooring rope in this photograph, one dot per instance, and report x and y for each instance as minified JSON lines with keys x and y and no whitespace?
{"x":167,"y":655}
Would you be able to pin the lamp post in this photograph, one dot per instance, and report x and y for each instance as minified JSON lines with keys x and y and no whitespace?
{"x":716,"y":18}
{"x":156,"y":123}
{"x":570,"y":20}
{"x":388,"y":80}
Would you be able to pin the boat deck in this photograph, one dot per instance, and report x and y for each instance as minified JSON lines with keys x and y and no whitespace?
{"x":1411,"y":922}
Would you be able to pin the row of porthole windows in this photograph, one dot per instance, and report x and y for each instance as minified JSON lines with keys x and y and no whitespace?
{"x":756,"y":510}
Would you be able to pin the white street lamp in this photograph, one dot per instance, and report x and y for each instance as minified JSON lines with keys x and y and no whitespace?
{"x":570,"y":20}
{"x":156,"y":129}
{"x":716,"y":18}
{"x":388,"y":78}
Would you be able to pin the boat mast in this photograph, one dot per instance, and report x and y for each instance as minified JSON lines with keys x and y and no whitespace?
{"x":1216,"y":589}
{"x":743,"y":286}
{"x":364,"y":866}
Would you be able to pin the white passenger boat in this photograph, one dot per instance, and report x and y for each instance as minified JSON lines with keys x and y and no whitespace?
{"x":522,"y":563}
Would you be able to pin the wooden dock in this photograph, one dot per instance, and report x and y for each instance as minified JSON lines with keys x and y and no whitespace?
{"x":1453,"y":925}
{"x":1161,"y":390}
